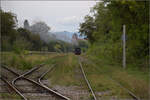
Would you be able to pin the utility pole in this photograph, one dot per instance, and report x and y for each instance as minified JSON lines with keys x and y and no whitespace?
{"x":124,"y":47}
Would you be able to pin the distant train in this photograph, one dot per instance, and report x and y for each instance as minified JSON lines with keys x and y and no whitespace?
{"x":77,"y":51}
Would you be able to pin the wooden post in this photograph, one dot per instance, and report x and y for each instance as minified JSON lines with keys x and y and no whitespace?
{"x":124,"y":47}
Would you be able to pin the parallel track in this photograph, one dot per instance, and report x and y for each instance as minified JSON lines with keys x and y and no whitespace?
{"x":129,"y":92}
{"x":84,"y":75}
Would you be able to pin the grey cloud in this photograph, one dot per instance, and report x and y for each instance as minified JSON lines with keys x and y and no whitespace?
{"x":54,"y":13}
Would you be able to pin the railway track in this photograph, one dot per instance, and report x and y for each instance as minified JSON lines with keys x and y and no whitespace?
{"x":38,"y":83}
{"x":42,"y":76}
{"x":16,"y":74}
{"x":87,"y":82}
{"x":127,"y":90}
{"x":13,"y":88}
{"x":58,"y":95}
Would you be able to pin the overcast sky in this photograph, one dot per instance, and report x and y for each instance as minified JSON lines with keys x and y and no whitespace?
{"x":59,"y":15}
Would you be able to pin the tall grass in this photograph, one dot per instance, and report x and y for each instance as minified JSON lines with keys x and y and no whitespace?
{"x":130,"y":79}
{"x":64,"y":71}
{"x":26,"y":61}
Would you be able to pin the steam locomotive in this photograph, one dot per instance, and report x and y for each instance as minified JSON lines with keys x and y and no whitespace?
{"x":77,"y":51}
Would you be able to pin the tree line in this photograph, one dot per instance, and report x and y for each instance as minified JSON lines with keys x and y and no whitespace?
{"x":103,"y":28}
{"x":18,"y":39}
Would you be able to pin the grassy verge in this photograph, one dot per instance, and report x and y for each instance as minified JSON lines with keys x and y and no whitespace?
{"x":27,"y":61}
{"x":98,"y":71}
{"x":133,"y":79}
{"x":64,"y":71}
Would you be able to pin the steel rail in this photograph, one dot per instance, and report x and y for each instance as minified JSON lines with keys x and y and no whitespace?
{"x":32,"y":81}
{"x":25,"y":74}
{"x":5,"y":67}
{"x":42,"y":76}
{"x":53,"y":92}
{"x":130,"y":92}
{"x":87,"y":80}
{"x":33,"y":69}
{"x":15,"y":89}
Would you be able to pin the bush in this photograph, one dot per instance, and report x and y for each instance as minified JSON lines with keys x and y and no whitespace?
{"x":25,"y":64}
{"x":20,"y":45}
{"x":14,"y":61}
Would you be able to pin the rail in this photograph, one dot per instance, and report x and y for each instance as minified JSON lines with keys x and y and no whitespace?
{"x":42,"y":76}
{"x":87,"y":80}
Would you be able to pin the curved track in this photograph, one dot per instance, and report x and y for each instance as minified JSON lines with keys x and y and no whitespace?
{"x":42,"y":76}
{"x":34,"y":82}
{"x":13,"y":88}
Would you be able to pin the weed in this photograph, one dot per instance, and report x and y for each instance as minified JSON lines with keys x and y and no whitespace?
{"x":132,"y":79}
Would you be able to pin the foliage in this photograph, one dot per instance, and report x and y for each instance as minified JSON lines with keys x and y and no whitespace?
{"x":104,"y":76}
{"x":8,"y":23}
{"x":20,"y":45}
{"x":83,"y":44}
{"x":87,"y":28}
{"x":27,"y":62}
{"x":57,"y":47}
{"x":8,"y":32}
{"x":35,"y":38}
{"x":108,"y":19}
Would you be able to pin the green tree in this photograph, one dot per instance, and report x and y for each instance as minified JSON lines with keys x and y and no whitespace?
{"x":108,"y":19}
{"x":8,"y":23}
{"x":87,"y":28}
{"x":8,"y":31}
{"x":20,"y":45}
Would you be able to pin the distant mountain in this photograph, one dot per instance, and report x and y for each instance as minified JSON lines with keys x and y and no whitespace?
{"x":63,"y":35}
{"x":42,"y":29}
